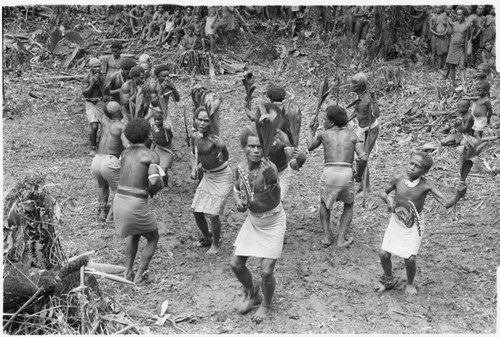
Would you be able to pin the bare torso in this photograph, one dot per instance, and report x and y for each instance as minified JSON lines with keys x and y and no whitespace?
{"x":441,"y":23}
{"x":459,"y":32}
{"x":161,"y":136}
{"x":111,"y":141}
{"x":135,"y":164}
{"x":209,"y":155}
{"x":362,"y":110}
{"x":97,"y":90}
{"x":266,"y":195}
{"x":416,"y":194}
{"x":481,"y":107}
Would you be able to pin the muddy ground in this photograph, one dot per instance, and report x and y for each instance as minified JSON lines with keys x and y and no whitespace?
{"x":319,"y":290}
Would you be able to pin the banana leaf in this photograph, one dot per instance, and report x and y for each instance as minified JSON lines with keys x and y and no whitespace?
{"x":323,"y":92}
{"x":266,"y":125}
{"x":212,"y":105}
{"x":249,"y":87}
{"x":197,"y":95}
{"x":293,"y":119}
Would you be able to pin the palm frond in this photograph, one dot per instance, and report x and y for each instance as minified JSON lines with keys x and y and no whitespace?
{"x":293,"y":119}
{"x":323,"y":92}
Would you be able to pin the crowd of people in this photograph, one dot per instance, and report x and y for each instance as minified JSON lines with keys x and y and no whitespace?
{"x":189,"y":27}
{"x":127,"y":98}
{"x":460,"y":37}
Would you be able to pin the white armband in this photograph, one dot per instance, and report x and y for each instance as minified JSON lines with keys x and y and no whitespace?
{"x":153,"y":175}
{"x":160,"y":171}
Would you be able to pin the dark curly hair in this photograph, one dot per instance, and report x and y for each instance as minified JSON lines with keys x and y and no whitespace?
{"x":427,"y":159}
{"x":160,"y":68}
{"x":127,"y":63}
{"x":337,"y":115}
{"x":137,"y":131}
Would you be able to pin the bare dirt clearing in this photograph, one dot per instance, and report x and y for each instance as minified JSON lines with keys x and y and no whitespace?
{"x":319,"y":290}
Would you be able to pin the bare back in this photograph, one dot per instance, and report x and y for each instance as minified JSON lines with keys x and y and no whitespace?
{"x":135,"y":161}
{"x":339,"y":145}
{"x":111,"y":138}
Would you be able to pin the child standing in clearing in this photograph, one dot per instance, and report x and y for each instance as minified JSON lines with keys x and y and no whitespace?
{"x":481,"y":108}
{"x":404,"y":232}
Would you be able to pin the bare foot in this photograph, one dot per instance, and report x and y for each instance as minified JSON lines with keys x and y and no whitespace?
{"x":261,"y":314}
{"x":140,"y":277}
{"x":203,"y":242}
{"x":129,"y":275}
{"x":249,"y":303}
{"x":214,"y":249}
{"x":385,"y":283}
{"x":326,"y":242}
{"x":343,"y":242}
{"x":410,"y":289}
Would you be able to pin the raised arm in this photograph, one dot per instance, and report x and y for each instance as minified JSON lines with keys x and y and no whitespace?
{"x":313,"y":143}
{"x":241,"y":205}
{"x":269,"y":171}
{"x":88,"y":84}
{"x":448,"y":202}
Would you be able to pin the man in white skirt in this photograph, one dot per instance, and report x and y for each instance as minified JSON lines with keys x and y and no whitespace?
{"x":257,"y":189}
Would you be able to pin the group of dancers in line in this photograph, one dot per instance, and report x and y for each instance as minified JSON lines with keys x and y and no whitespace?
{"x":135,"y":152}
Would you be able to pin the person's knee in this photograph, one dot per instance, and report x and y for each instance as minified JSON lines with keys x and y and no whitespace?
{"x":267,"y":269}
{"x":384,"y":256}
{"x":152,"y":237}
{"x":213,"y":218}
{"x":267,"y":274}
{"x":236,"y":264}
{"x":411,"y":261}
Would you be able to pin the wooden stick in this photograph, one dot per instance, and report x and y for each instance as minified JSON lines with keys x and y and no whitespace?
{"x":17,"y":36}
{"x":126,"y":329}
{"x":485,"y":139}
{"x":28,"y":302}
{"x":109,"y":276}
{"x":82,"y":306}
{"x":407,"y":314}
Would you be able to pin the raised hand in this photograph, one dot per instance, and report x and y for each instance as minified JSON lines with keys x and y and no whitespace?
{"x":267,"y":169}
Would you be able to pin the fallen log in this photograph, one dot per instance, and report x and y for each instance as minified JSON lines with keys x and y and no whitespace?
{"x":66,"y":78}
{"x":17,"y":36}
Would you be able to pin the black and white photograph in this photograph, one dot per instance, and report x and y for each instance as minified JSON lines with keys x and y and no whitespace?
{"x":278,"y":168}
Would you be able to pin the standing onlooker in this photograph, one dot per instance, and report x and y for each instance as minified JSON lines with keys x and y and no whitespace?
{"x":93,"y":91}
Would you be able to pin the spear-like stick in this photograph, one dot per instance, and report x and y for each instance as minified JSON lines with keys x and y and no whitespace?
{"x":249,"y":87}
{"x":323,"y":91}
